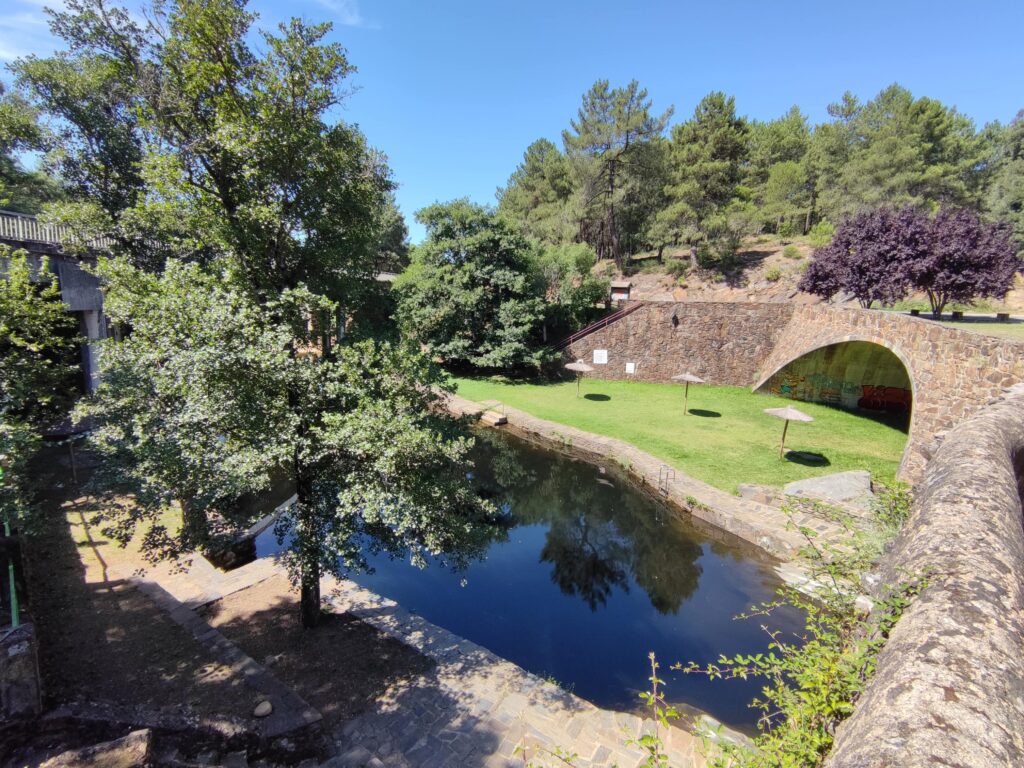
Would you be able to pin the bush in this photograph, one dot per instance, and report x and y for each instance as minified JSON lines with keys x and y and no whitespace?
{"x":773,"y":275}
{"x":792,"y":252}
{"x":677,"y":267}
{"x":821,"y":234}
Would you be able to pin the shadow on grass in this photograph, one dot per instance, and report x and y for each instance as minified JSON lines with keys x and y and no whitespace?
{"x":597,"y":398}
{"x":704,"y":413}
{"x":808,"y":459}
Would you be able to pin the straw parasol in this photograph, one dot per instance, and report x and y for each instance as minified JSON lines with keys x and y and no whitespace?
{"x":689,"y":379}
{"x":788,"y":413}
{"x":578,"y":367}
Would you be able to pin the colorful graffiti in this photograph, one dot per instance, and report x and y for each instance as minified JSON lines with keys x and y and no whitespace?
{"x":895,"y":399}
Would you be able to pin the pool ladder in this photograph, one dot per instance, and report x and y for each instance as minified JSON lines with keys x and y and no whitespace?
{"x":665,"y":476}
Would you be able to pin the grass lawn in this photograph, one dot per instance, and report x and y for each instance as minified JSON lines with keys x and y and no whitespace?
{"x":1014,"y":329}
{"x":724,"y":440}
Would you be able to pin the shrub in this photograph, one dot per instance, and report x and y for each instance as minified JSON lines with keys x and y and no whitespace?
{"x":792,"y":252}
{"x":677,"y":267}
{"x":773,"y":275}
{"x":821,"y":234}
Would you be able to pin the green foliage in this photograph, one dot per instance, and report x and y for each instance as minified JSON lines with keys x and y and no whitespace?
{"x":538,"y":195}
{"x":20,"y":189}
{"x":812,"y":683}
{"x":471,"y":294}
{"x":821,"y":234}
{"x":1005,"y":198}
{"x":773,"y":275}
{"x":575,"y":296}
{"x":613,"y":145}
{"x":197,"y":136}
{"x":38,"y":366}
{"x":791,"y":252}
{"x":212,"y":394}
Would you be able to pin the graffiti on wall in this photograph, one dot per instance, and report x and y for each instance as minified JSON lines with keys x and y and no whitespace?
{"x":822,"y":388}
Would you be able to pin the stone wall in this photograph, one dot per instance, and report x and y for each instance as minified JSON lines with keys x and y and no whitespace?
{"x":722,"y":342}
{"x":953,"y":373}
{"x":20,"y":692}
{"x":949,"y":686}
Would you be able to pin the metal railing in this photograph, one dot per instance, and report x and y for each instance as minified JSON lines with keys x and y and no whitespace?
{"x":26,"y":228}
{"x":596,"y":326}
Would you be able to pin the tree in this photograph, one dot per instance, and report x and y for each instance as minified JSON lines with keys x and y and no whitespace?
{"x":21,"y":190}
{"x":206,"y":400}
{"x":967,"y":258}
{"x":470,"y":294}
{"x":574,"y":295}
{"x":869,"y":256}
{"x":1005,"y":197}
{"x":785,"y":195}
{"x":538,"y":195}
{"x":605,"y":144}
{"x":194,"y":144}
{"x":706,"y":156}
{"x":38,"y":366}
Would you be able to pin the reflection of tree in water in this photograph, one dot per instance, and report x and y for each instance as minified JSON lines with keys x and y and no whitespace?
{"x":599,"y":534}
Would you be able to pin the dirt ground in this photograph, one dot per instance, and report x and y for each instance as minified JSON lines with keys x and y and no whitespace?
{"x":339,"y":668}
{"x":102,"y":640}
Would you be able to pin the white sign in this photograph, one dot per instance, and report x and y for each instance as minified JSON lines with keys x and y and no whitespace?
{"x":630,"y":367}
{"x":600,"y":356}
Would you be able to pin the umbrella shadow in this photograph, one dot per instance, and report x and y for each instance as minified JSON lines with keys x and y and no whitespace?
{"x":808,"y":458}
{"x":598,"y":398}
{"x":705,"y":413}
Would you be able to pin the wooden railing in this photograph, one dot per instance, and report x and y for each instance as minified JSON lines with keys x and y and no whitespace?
{"x":26,"y":228}
{"x":604,"y":322}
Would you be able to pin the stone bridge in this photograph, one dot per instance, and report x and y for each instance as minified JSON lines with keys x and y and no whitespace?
{"x":851,"y":358}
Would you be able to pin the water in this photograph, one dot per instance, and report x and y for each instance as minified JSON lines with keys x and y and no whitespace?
{"x":594,"y":575}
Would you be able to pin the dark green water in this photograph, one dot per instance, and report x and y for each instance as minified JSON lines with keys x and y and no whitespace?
{"x":594,"y":575}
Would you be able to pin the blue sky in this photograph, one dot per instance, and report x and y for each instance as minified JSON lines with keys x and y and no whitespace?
{"x":453,"y":92}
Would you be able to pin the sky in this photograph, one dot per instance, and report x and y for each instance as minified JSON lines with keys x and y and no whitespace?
{"x":453,"y":91}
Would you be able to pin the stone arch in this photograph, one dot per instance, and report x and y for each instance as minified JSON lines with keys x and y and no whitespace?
{"x":851,"y":372}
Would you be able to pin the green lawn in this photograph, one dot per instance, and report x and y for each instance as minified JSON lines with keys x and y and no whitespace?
{"x":726,"y":439}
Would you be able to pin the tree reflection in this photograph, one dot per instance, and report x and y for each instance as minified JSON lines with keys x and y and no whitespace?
{"x":601,"y":535}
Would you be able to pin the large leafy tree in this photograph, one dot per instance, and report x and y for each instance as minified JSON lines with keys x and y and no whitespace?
{"x":869,"y":256}
{"x":21,"y":189}
{"x":183,"y":139}
{"x":471,"y":294}
{"x":206,"y":399}
{"x":967,"y":258}
{"x":606,"y":144}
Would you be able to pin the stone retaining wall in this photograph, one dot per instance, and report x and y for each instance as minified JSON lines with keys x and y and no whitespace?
{"x":949,"y":687}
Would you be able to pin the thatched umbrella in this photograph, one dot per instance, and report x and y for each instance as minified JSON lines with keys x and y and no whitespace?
{"x":788,"y":413}
{"x":688,"y":378}
{"x":578,"y":367}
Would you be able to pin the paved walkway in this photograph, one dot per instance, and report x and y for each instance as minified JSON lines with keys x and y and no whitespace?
{"x":474,"y":709}
{"x":766,"y":527}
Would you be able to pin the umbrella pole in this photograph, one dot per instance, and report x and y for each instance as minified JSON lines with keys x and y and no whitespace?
{"x":782,"y":445}
{"x":577,"y":385}
{"x":686,"y":395}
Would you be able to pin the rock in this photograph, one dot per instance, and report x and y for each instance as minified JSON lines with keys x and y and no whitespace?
{"x":849,"y":489}
{"x":263,"y":709}
{"x":236,"y":760}
{"x":127,"y":752}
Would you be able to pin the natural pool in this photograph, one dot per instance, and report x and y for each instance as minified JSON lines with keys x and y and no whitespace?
{"x":593,"y":575}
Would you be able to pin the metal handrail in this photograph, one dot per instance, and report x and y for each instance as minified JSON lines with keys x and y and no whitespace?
{"x":27,"y":228}
{"x":604,"y":322}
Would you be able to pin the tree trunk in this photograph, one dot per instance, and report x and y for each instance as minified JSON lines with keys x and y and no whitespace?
{"x":693,"y":257}
{"x":194,"y":525}
{"x":309,"y":599}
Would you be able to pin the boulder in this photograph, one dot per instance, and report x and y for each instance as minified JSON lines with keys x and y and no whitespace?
{"x":130,"y":751}
{"x":847,"y":489}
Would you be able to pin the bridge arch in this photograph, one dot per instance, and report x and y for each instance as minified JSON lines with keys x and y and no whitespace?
{"x":852,"y":372}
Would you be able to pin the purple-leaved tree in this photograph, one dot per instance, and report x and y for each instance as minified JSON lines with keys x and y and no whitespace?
{"x":883,"y":254}
{"x":869,"y":255}
{"x":968,"y":258}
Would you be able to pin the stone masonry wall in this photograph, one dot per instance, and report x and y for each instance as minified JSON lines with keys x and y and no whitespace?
{"x":722,"y":342}
{"x":953,"y":372}
{"x":949,"y":686}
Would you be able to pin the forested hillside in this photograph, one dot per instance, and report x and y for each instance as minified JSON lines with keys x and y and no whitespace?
{"x":628,"y":181}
